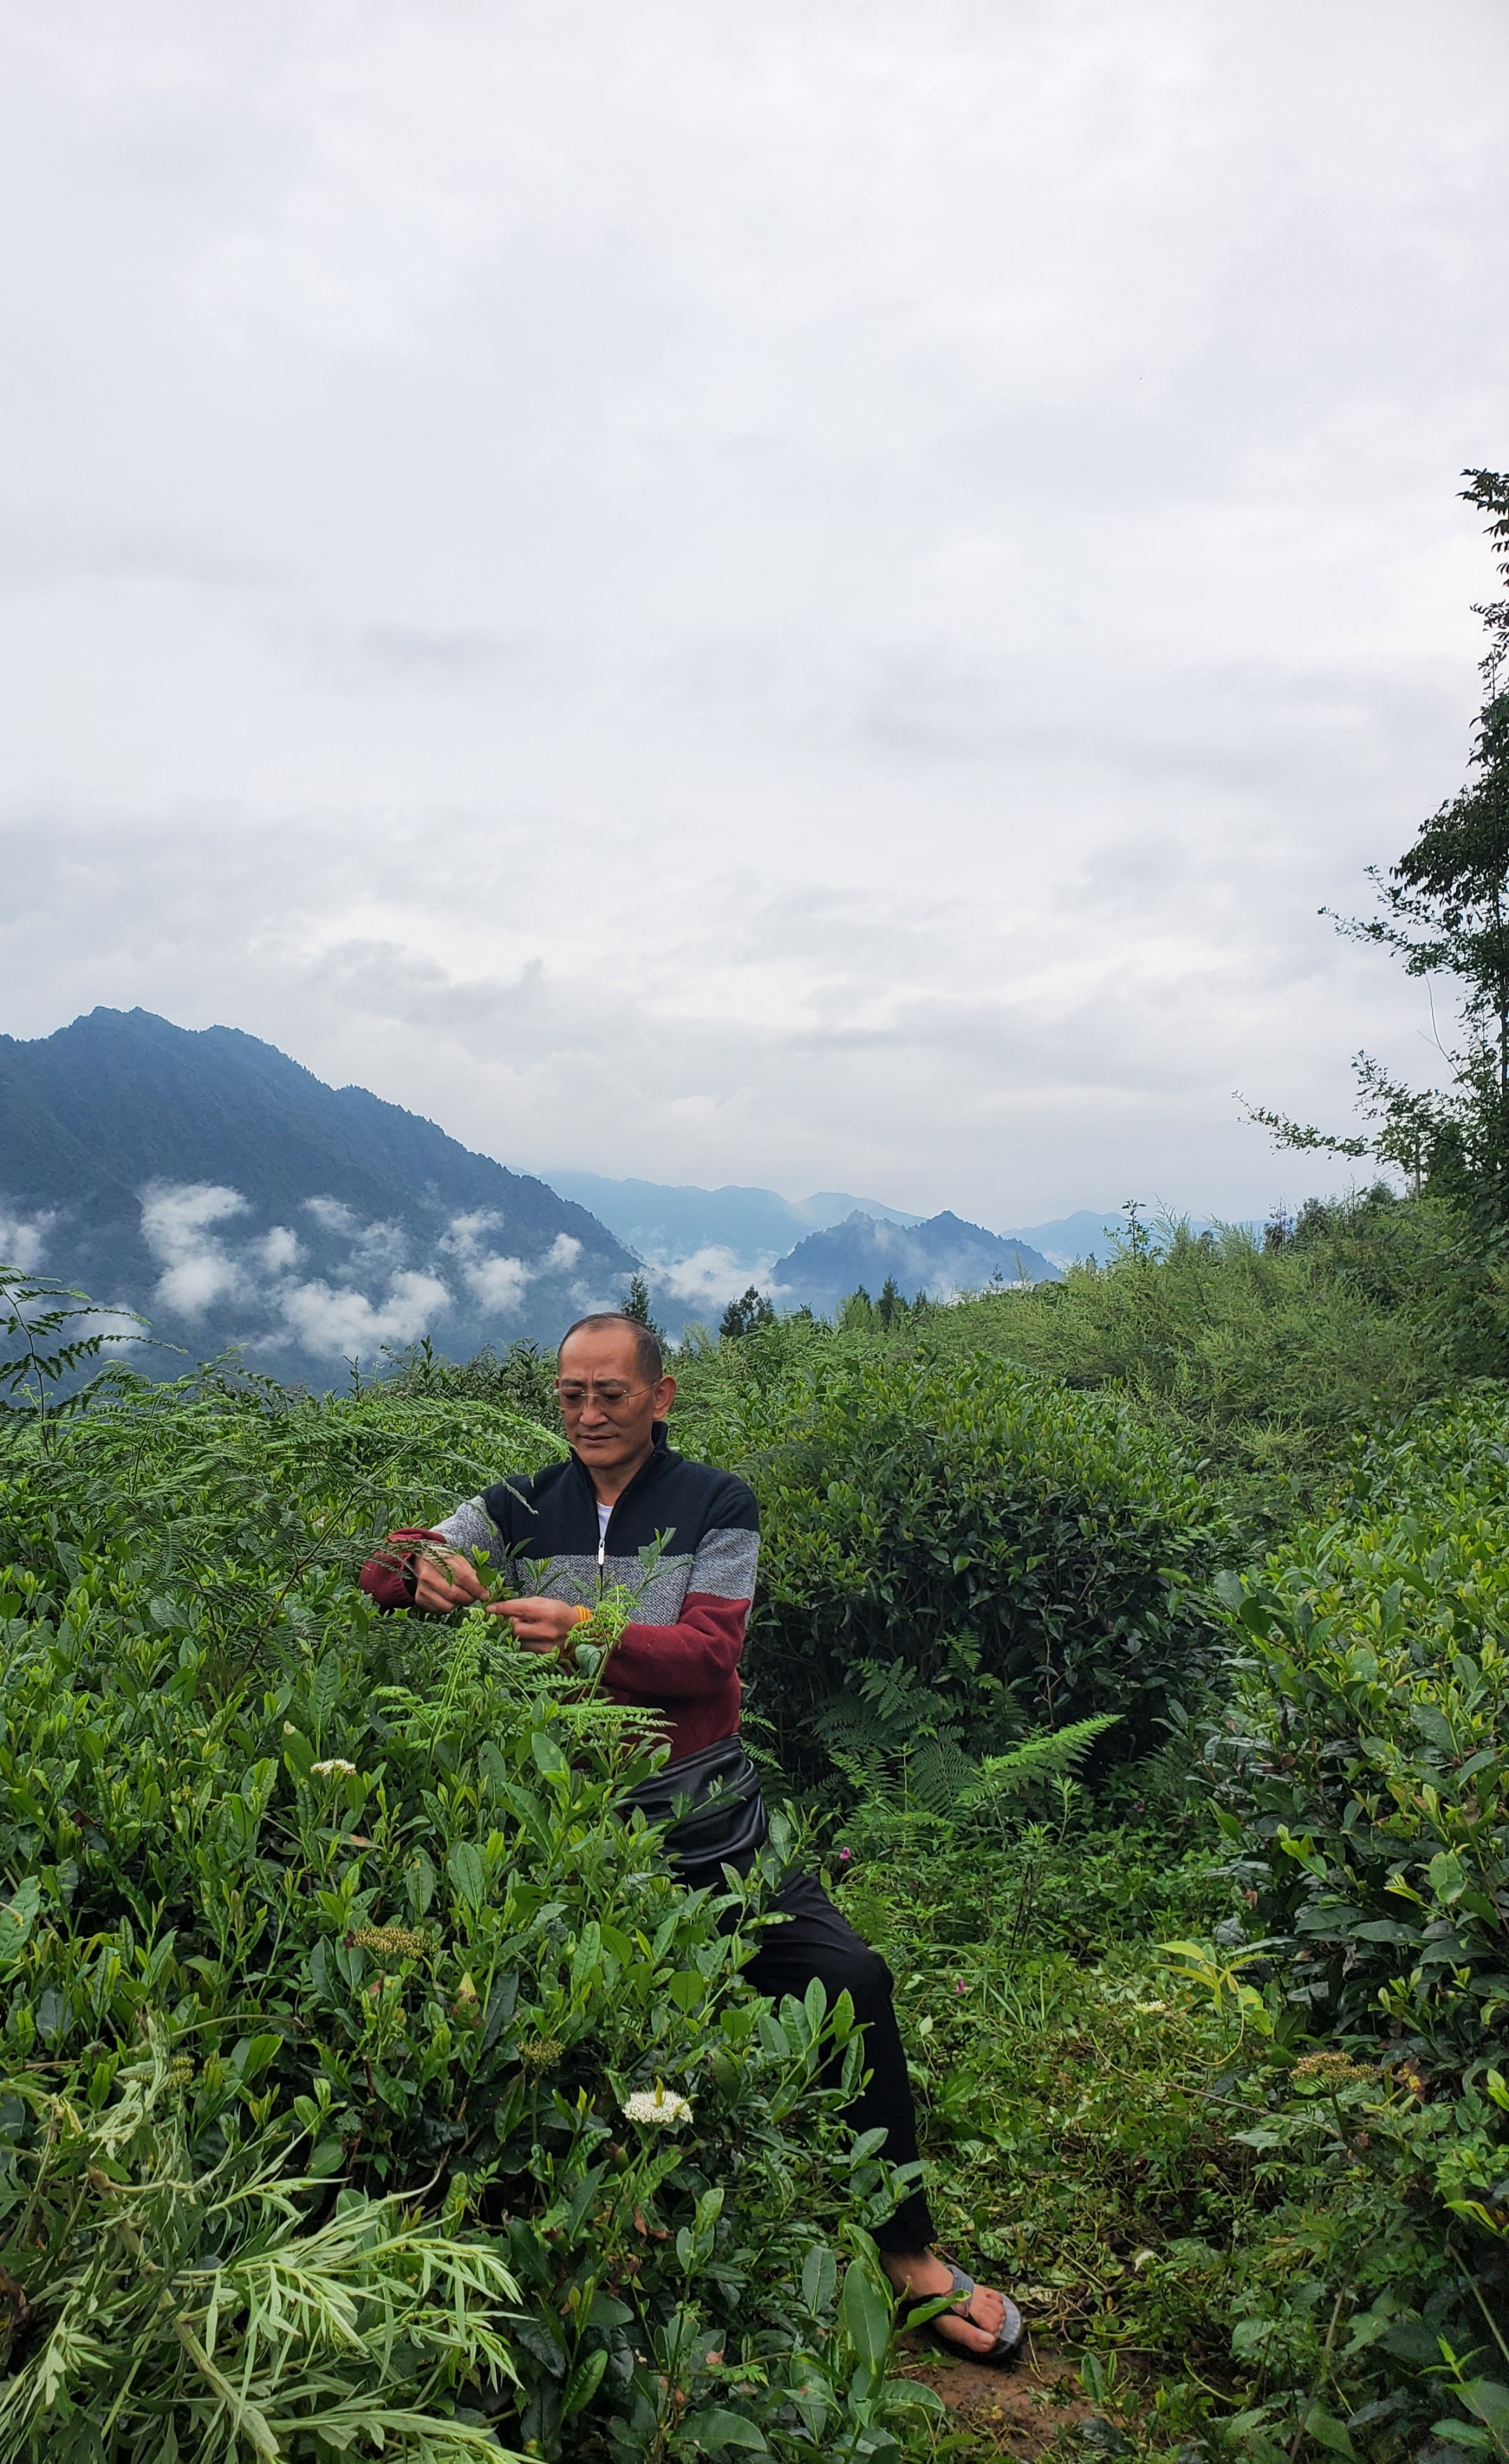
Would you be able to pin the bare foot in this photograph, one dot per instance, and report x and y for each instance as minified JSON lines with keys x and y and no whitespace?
{"x":974,"y":2325}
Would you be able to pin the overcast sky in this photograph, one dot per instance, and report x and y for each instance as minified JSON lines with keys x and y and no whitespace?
{"x":812,"y":594}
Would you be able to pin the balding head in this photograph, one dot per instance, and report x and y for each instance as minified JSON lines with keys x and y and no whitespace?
{"x":648,"y":1359}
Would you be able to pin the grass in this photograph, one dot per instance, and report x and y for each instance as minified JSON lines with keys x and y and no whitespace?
{"x":1225,"y":2237}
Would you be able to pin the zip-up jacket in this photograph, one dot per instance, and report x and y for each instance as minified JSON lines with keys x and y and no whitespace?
{"x":681,"y":1655}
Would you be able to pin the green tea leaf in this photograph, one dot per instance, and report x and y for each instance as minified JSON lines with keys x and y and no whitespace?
{"x":865,"y":2314}
{"x":583,"y":2384}
{"x":715,"y":2429}
{"x":468,"y":1874}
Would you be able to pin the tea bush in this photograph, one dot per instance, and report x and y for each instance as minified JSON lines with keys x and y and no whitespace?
{"x":1365,"y":1769}
{"x":1030,"y":1556}
{"x":1261,"y":1358}
{"x":339,"y":1999}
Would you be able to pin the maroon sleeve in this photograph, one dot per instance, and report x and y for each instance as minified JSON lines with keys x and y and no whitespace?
{"x":388,"y":1578}
{"x":677,"y":1664}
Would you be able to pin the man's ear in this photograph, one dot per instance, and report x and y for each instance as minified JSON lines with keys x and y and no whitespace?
{"x":665,"y":1396}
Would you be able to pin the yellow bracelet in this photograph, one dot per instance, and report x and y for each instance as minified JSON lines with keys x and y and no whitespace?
{"x":583,"y":1614}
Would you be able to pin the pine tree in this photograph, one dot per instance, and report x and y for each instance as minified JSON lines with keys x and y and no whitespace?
{"x":1446,"y":912}
{"x":741,"y":1317}
{"x":637,"y":1304}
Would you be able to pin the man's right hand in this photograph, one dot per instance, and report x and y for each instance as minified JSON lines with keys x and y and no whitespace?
{"x":442,"y":1583}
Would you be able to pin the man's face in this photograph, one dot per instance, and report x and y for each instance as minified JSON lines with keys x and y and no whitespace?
{"x":608,"y":1407}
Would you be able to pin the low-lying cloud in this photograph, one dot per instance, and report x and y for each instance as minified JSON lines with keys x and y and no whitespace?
{"x":23,"y":1239}
{"x":376,"y":1295}
{"x":344,"y":1324}
{"x":709,"y":1278}
{"x":177,"y":1226}
{"x":492,"y":1277}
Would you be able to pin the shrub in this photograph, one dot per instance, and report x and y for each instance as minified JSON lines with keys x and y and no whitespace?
{"x":1366,"y":1767}
{"x":1030,"y":1555}
{"x":1261,"y":1359}
{"x":311,"y":1909}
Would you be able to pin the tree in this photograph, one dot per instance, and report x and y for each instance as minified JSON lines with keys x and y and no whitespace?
{"x":1446,"y":912}
{"x":744,"y":1315}
{"x":891,"y":1305}
{"x":636,"y":1305}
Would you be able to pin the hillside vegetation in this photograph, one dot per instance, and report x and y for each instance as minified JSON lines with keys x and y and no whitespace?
{"x":335,"y":1985}
{"x":1131,"y":1655}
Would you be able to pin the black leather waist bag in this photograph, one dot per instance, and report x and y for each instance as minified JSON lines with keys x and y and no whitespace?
{"x":724,"y":1821}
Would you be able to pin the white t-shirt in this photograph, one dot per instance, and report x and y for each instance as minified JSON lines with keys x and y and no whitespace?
{"x":604,"y":1517}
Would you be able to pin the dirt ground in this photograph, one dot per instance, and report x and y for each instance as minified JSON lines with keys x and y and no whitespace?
{"x":1015,"y":2411}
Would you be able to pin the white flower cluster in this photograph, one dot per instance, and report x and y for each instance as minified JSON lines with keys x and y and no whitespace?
{"x":335,"y":1769}
{"x":656,"y":2105}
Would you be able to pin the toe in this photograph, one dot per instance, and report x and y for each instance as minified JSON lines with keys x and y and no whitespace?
{"x":974,"y":2326}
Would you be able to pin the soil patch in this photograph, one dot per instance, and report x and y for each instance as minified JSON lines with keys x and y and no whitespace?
{"x":1017,"y":2411}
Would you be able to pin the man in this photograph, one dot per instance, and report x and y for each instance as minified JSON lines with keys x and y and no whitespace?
{"x":621,"y":1489}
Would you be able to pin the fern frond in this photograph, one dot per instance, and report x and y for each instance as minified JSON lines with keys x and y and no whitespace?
{"x":1054,"y":1755}
{"x":941,"y":1773}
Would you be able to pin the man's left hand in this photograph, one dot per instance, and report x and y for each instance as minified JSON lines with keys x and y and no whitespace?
{"x":541,"y":1625}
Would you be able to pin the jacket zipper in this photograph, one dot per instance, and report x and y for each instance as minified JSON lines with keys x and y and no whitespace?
{"x":602,"y":1536}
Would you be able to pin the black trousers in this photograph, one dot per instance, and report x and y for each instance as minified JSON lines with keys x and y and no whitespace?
{"x":818,"y":1941}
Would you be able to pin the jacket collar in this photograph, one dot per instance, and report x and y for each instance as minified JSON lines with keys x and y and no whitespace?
{"x":661,"y":1456}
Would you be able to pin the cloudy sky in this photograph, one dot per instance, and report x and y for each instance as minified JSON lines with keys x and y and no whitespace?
{"x":812,"y":594}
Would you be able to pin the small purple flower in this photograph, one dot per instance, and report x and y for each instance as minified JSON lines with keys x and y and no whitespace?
{"x":844,"y":1855}
{"x":958,"y":1985}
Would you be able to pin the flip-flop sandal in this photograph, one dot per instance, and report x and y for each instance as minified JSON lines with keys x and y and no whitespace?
{"x":1008,"y":2337}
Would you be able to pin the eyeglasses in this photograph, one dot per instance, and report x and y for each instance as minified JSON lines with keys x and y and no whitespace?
{"x":574,"y":1397}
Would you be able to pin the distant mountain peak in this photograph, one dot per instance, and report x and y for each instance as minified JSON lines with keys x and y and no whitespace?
{"x":940,"y":1257}
{"x":207,"y":1180}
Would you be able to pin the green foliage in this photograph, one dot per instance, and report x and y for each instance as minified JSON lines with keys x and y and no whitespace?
{"x":900,"y":1745}
{"x":1029,"y":1556}
{"x":636,"y":1304}
{"x":207,"y":2314}
{"x":1446,"y":913}
{"x":1236,"y":2240}
{"x":54,"y":1332}
{"x":1367,"y":1771}
{"x":520,"y":1379}
{"x":752,"y":1311}
{"x":309,"y":1909}
{"x":1260,"y":1357}
{"x":367,"y":2075}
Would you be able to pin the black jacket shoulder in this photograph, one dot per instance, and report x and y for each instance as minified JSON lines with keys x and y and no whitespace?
{"x":553,"y":1512}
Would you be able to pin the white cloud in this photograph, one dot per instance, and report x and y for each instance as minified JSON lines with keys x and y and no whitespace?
{"x":279,"y":1248}
{"x":497,"y":1281}
{"x":562,"y":1254}
{"x":799,"y":596}
{"x":176,"y":1221}
{"x":345,"y":1325}
{"x":200,"y":1266}
{"x":23,"y":1239}
{"x":332,"y":1216}
{"x":709,"y":1278}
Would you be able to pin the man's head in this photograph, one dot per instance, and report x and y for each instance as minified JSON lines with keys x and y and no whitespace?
{"x":612,"y":1384}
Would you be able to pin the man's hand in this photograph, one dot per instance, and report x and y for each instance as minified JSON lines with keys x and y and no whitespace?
{"x":442,"y":1583}
{"x":542,"y":1625}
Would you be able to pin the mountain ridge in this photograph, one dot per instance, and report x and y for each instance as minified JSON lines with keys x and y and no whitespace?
{"x":669,"y":1221}
{"x":940,"y":1257}
{"x":154,"y":1164}
{"x":217,"y":1185}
